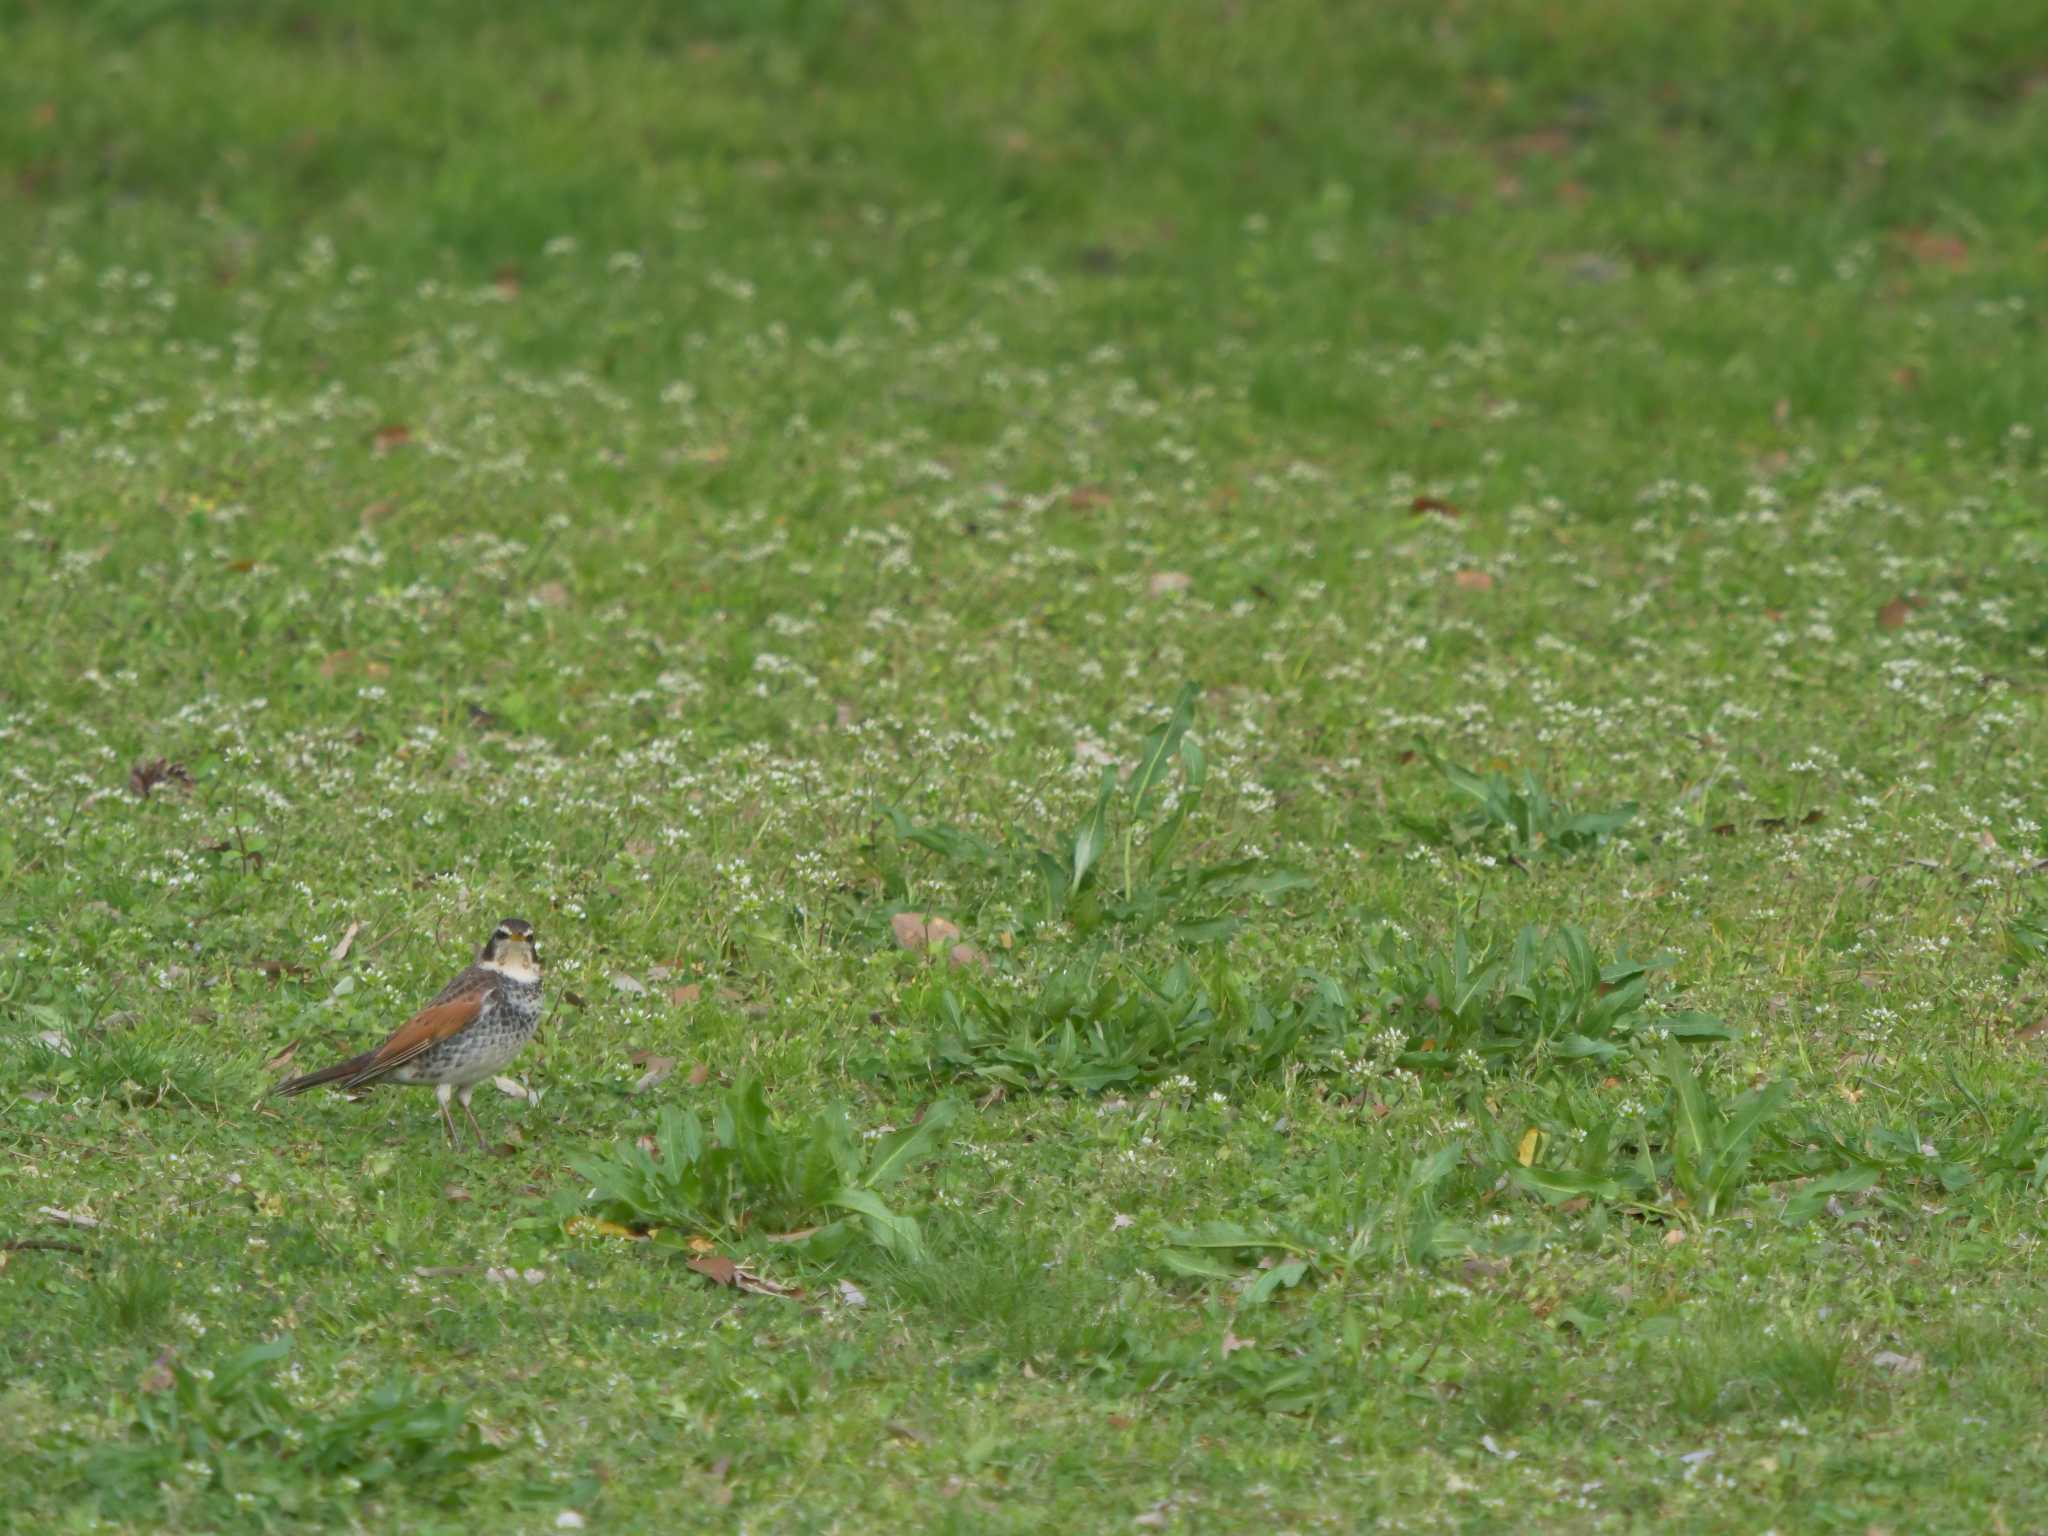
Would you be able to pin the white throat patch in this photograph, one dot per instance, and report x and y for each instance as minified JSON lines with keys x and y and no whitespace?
{"x":521,"y":972}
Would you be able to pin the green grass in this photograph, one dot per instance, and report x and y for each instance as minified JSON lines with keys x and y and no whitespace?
{"x":834,"y":438}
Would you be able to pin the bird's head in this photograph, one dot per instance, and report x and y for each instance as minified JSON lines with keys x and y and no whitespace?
{"x":514,"y":950}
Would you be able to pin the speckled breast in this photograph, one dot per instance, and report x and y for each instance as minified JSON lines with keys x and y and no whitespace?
{"x":499,"y":1032}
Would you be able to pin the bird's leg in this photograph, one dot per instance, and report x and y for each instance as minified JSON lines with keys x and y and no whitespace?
{"x":443,"y":1092}
{"x":482,"y":1141}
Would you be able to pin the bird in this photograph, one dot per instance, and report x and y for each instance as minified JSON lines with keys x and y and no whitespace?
{"x":470,"y":1031}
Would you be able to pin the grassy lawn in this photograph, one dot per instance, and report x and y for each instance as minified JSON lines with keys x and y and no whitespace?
{"x":1299,"y":747}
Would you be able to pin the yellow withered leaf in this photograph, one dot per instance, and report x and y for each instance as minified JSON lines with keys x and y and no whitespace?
{"x":597,"y":1226}
{"x":1525,"y":1154}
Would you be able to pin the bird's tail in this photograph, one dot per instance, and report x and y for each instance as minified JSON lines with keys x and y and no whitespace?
{"x":333,"y":1074}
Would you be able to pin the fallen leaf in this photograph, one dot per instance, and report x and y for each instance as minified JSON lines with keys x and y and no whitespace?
{"x":1891,"y":1361}
{"x":1232,"y":1343}
{"x":658,"y":1067}
{"x":700,"y":1074}
{"x":1724,"y":829}
{"x":551,"y":594}
{"x":159,"y":1377}
{"x":776,"y":1237}
{"x":50,"y":1039}
{"x":1436,"y":504}
{"x":631,"y":985}
{"x":904,"y":1431}
{"x":598,"y":1226}
{"x":340,"y":951}
{"x":389,"y":437}
{"x":688,"y":994}
{"x":68,"y":1218}
{"x":512,"y":1088}
{"x":507,"y":1276}
{"x":1165,"y":582}
{"x":1082,"y":497}
{"x":850,"y":1294}
{"x":1893,"y":615}
{"x":2034,"y":1030}
{"x":334,"y":663}
{"x":720,"y":1270}
{"x":913,"y":930}
{"x":1119,"y":1221}
{"x":454,"y":1193}
{"x":1525,"y":1154}
{"x":1931,"y":248}
{"x":506,"y":281}
{"x":145,"y":778}
{"x":1474,"y":581}
{"x":1674,"y":1237}
{"x":967,"y":954}
{"x":284,"y":1057}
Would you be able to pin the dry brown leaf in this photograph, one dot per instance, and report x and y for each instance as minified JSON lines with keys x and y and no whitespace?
{"x":506,"y":281}
{"x":1165,"y":583}
{"x":1893,"y":615}
{"x":284,"y":1057}
{"x":334,"y":663}
{"x":1436,"y":504}
{"x":720,"y":1270}
{"x":658,"y":1067}
{"x":688,"y":994}
{"x":145,"y":778}
{"x":1082,"y":497}
{"x":700,"y":1074}
{"x":2034,"y":1030}
{"x":916,"y":931}
{"x":454,"y":1193}
{"x":340,"y":951}
{"x":967,"y":954}
{"x":1931,"y":248}
{"x":396,"y":435}
{"x":159,"y":1377}
{"x":1474,"y":581}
